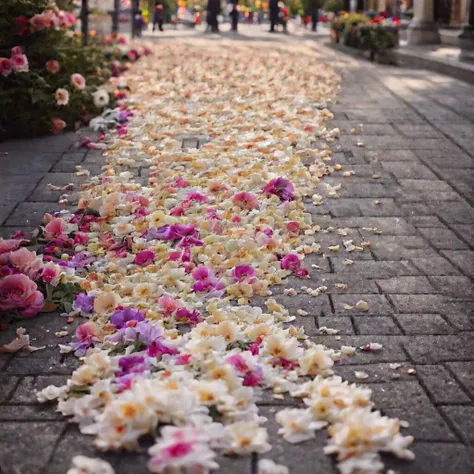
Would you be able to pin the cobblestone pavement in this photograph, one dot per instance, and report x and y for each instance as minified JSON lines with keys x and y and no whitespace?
{"x":413,"y":163}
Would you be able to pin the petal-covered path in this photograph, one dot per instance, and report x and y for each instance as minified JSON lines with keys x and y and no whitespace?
{"x":228,"y":157}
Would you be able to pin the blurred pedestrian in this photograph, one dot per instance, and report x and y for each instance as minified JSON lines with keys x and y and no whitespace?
{"x":274,"y":11}
{"x":213,"y":9}
{"x":234,"y":15}
{"x":284,"y":16}
{"x":139,"y":23}
{"x":158,"y":17}
{"x":315,"y":4}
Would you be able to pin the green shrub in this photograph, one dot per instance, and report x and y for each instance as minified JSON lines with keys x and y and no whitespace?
{"x":28,"y":101}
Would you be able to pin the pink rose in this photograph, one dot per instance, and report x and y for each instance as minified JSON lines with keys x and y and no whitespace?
{"x":26,"y":262}
{"x":55,"y":229}
{"x":19,"y":292}
{"x":51,"y":273}
{"x":6,"y":67}
{"x":9,"y":245}
{"x":52,"y":66}
{"x":37,"y":23}
{"x":20,"y":63}
{"x":57,"y":125}
{"x":16,"y":51}
{"x":78,"y":81}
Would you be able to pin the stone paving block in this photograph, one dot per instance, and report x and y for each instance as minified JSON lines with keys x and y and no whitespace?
{"x":300,"y":458}
{"x":443,"y":239}
{"x":466,"y":231}
{"x":46,"y":363}
{"x":463,"y":259}
{"x":23,"y":450}
{"x":415,"y":209}
{"x":43,"y":194}
{"x":52,"y":143}
{"x":375,"y":269}
{"x":408,"y":393}
{"x":418,"y":131}
{"x":376,"y":325}
{"x":27,"y":162}
{"x":406,"y":285}
{"x":424,"y":186}
{"x":388,"y":225}
{"x":378,"y":304}
{"x":464,"y":373}
{"x":425,"y":221}
{"x":456,"y":286}
{"x":27,"y":388}
{"x":377,"y":373}
{"x":6,"y":209}
{"x":435,"y":349}
{"x":418,"y":303}
{"x":435,"y":458}
{"x":354,"y":284}
{"x":392,"y":350}
{"x":425,"y":423}
{"x":30,"y":213}
{"x":414,"y":171}
{"x":29,"y":413}
{"x":391,"y":155}
{"x":463,"y":419}
{"x":7,"y":384}
{"x":461,"y":322}
{"x":435,"y":266}
{"x":131,"y":462}
{"x":73,"y":443}
{"x":441,"y":385}
{"x":454,"y":212}
{"x":343,"y":325}
{"x":17,"y":188}
{"x":416,"y":324}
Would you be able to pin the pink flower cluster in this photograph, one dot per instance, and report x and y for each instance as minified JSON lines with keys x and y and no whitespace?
{"x":292,"y":263}
{"x":18,"y":62}
{"x":51,"y":19}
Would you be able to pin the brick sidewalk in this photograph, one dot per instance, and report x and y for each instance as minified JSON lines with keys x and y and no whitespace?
{"x":412,"y":181}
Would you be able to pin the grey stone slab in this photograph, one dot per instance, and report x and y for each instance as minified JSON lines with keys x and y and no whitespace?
{"x":435,"y":458}
{"x":460,"y":321}
{"x":466,"y":231}
{"x":435,"y":349}
{"x":425,"y":185}
{"x":374,"y":269}
{"x":378,"y":304}
{"x":52,"y":143}
{"x":23,"y":450}
{"x":417,"y":324}
{"x":6,"y":209}
{"x":463,"y":419}
{"x":425,"y":221}
{"x":7,"y":384}
{"x":73,"y":443}
{"x":29,"y":413}
{"x":387,"y":225}
{"x":456,"y":286}
{"x":435,"y":265}
{"x":48,"y":362}
{"x":418,"y":131}
{"x":43,"y":194}
{"x":454,"y":212}
{"x":463,"y":259}
{"x":406,"y":285}
{"x":428,"y":304}
{"x":26,"y":163}
{"x":30,"y":213}
{"x":343,"y":325}
{"x":17,"y":188}
{"x":440,"y":159}
{"x":378,"y":373}
{"x":402,"y":170}
{"x":376,"y":325}
{"x":354,"y":284}
{"x":443,"y":239}
{"x":464,"y":373}
{"x":27,"y":388}
{"x":425,"y":422}
{"x":391,"y":155}
{"x":441,"y":385}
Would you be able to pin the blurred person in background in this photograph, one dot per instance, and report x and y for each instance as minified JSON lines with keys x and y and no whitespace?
{"x":274,"y":11}
{"x":158,"y":17}
{"x":213,"y":9}
{"x":234,"y":15}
